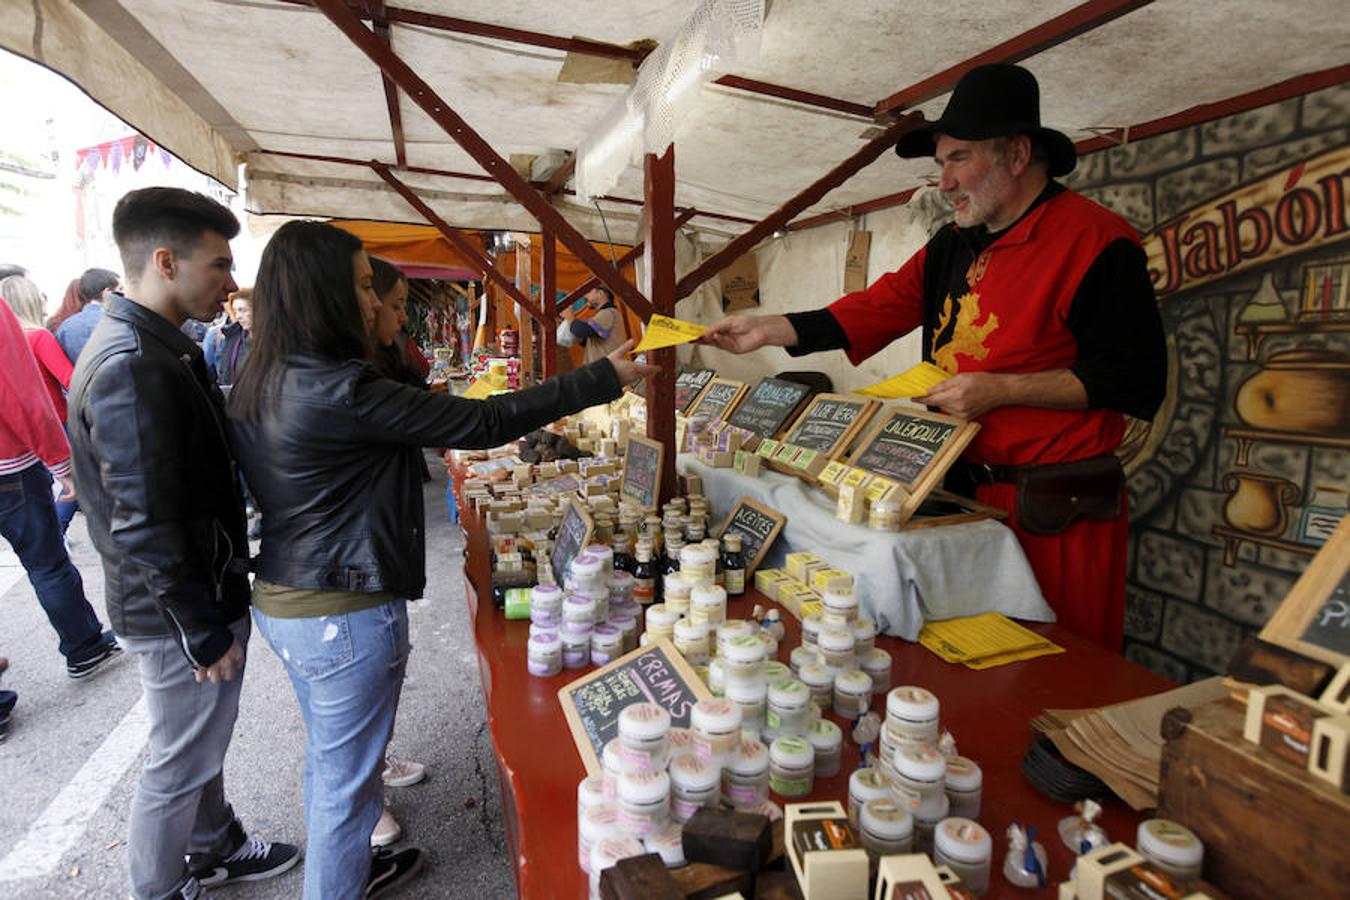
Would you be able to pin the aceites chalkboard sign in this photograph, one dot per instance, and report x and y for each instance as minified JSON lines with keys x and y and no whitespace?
{"x":830,"y":422}
{"x":688,"y":385}
{"x":641,"y":483}
{"x":656,"y":673}
{"x":758,"y":526}
{"x":574,"y":532}
{"x":718,"y":399}
{"x":1314,"y":619}
{"x":769,"y":406}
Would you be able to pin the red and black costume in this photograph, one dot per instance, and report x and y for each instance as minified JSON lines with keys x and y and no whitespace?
{"x":1064,"y":287}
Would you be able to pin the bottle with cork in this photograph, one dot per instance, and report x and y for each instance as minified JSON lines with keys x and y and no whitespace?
{"x":733,"y":564}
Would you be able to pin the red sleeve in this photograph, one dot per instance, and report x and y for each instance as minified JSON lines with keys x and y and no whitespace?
{"x":50,"y":356}
{"x":27,"y":417}
{"x":892,"y":307}
{"x":417,"y":360}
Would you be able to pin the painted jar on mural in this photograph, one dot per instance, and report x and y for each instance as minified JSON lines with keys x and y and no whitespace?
{"x":1258,"y":504}
{"x":1304,"y":390}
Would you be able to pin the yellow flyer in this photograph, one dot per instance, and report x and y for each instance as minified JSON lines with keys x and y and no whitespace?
{"x":913,"y":382}
{"x":482,"y":388}
{"x":663,"y":331}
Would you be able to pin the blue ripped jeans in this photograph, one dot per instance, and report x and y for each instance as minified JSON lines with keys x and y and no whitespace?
{"x":347,"y":671}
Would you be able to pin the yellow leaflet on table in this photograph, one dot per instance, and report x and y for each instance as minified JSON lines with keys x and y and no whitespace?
{"x":663,"y":331}
{"x":984,"y":641}
{"x":914,"y":382}
{"x":483,"y":388}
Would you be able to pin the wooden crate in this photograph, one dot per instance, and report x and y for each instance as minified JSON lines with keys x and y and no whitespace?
{"x":1270,"y":829}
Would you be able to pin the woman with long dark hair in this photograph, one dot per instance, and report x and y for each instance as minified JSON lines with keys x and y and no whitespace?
{"x":330,"y":450}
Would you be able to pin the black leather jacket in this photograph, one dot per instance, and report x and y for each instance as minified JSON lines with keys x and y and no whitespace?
{"x":157,"y":483}
{"x":333,"y":466}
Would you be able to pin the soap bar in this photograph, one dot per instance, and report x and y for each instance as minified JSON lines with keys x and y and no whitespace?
{"x":639,"y":878}
{"x":705,"y":881}
{"x":735,"y":840}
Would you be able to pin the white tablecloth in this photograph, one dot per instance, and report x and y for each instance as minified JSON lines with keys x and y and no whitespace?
{"x":902,"y":579}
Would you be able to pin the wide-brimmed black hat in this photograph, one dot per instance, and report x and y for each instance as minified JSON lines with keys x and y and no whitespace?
{"x":993,"y":101}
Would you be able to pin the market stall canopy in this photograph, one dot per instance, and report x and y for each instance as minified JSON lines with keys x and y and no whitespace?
{"x":275,"y":84}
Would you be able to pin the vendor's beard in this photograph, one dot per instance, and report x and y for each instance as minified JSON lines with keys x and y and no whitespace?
{"x":984,"y":198}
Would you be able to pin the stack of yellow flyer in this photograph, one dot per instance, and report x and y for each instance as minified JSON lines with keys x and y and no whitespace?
{"x":984,"y":641}
{"x":913,"y":382}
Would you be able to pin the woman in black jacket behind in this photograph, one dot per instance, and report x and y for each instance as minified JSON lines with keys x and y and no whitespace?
{"x":330,"y":450}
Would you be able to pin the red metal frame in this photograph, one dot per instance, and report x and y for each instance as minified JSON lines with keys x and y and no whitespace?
{"x":658,"y":233}
{"x":381,"y":26}
{"x":586,"y":286}
{"x":857,"y":209}
{"x":807,"y":98}
{"x":548,"y":292}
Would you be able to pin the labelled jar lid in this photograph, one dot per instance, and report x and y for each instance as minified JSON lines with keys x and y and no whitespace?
{"x":912,"y":704}
{"x":586,"y":564}
{"x":789,"y":693}
{"x":1172,"y":843}
{"x":709,"y":595}
{"x":803,"y":654}
{"x":887,"y":820}
{"x":868,"y":784}
{"x":620,"y":582}
{"x":812,"y":623}
{"x":875,"y":661}
{"x":599,"y":821}
{"x":545,"y":643}
{"x":661,"y":616}
{"x":546,"y":595}
{"x":963,"y":774}
{"x":776,"y":671}
{"x":747,"y":693}
{"x":920,"y":764}
{"x":853,"y":682}
{"x":863,"y":630}
{"x":611,"y":757}
{"x":625,"y":624}
{"x":963,"y":840}
{"x":824,"y":735}
{"x":590,"y":792}
{"x":792,"y":752}
{"x":643,"y":786}
{"x":644,"y":722}
{"x":836,"y":640}
{"x":839,"y":601}
{"x":750,"y":758}
{"x":744,"y":648}
{"x":689,"y":630}
{"x":816,"y":675}
{"x":608,"y":633}
{"x":696,"y":554}
{"x":609,"y":850}
{"x":575,"y":632}
{"x":668,"y":842}
{"x":717,"y":716}
{"x":681,"y":741}
{"x":691,"y":772}
{"x":577,"y":606}
{"x":677,"y":584}
{"x":733,"y":628}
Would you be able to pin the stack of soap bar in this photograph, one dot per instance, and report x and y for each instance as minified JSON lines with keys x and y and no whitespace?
{"x":639,"y":878}
{"x":723,"y":837}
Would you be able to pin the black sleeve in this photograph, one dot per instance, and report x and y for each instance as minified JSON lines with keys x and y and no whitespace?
{"x":1122,"y":352}
{"x":817,"y":330}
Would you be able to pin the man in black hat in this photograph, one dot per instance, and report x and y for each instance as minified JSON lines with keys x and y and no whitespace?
{"x":1038,"y":303}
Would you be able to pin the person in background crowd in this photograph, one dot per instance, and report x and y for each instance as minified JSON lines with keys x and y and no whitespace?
{"x":162,"y":501}
{"x":92,"y":286}
{"x":604,"y":330}
{"x":232,"y":338}
{"x":8,"y":269}
{"x":31,"y":445}
{"x":70,"y":305}
{"x":330,"y":450}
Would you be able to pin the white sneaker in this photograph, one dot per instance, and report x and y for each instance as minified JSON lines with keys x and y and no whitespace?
{"x":387,"y":830}
{"x":402,"y":772}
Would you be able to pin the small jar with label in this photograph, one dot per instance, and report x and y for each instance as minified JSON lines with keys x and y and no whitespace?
{"x":644,"y":801}
{"x":965,"y":847}
{"x":800,"y":656}
{"x":923,"y":773}
{"x":885,"y":828}
{"x":677,"y":592}
{"x":606,"y":853}
{"x":752,"y":698}
{"x":691,"y":639}
{"x":545,"y":628}
{"x":1171,"y":847}
{"x":695,"y":783}
{"x":576,"y":644}
{"x":644,"y":731}
{"x":827,"y":740}
{"x":597,"y":823}
{"x":840,"y":603}
{"x":606,"y":644}
{"x":578,"y":608}
{"x":681,"y":742}
{"x":729,"y":629}
{"x":743,"y":660}
{"x":628,"y":629}
{"x":668,"y":843}
{"x":852,"y":694}
{"x":733,"y":564}
{"x":912,"y":716}
{"x":812,"y":625}
{"x":836,"y":650}
{"x":884,"y":515}
{"x":745,"y":778}
{"x":925,"y":824}
{"x":546,"y":602}
{"x":717,"y":729}
{"x":820,"y":682}
{"x":776,"y":671}
{"x":699,"y":564}
{"x":717,"y":677}
{"x":590,"y":792}
{"x":587,"y":573}
{"x":708,"y":604}
{"x":792,"y":766}
{"x":877,"y":664}
{"x":964,"y":787}
{"x":864,"y":785}
{"x":789,"y":709}
{"x":661,"y":621}
{"x":620,"y":589}
{"x":604,"y":553}
{"x":544,"y":655}
{"x":613,"y":763}
{"x":864,"y":636}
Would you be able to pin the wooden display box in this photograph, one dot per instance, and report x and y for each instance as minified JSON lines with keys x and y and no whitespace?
{"x":1270,"y":828}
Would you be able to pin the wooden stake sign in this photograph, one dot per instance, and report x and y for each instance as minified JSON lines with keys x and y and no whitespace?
{"x":758,"y":526}
{"x":1314,"y":618}
{"x":642,"y":460}
{"x":718,"y":399}
{"x":574,"y":532}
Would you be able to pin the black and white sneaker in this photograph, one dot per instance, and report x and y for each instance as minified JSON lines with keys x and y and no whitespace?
{"x":105,"y":655}
{"x":390,"y":871}
{"x":192,"y":890}
{"x":255,"y":860}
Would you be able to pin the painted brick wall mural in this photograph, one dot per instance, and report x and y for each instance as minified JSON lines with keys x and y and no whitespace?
{"x":1246,"y":469}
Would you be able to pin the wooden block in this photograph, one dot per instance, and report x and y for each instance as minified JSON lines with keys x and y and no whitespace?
{"x":639,"y":878}
{"x":734,"y":840}
{"x":705,"y":881}
{"x":777,"y":886}
{"x":1330,"y":756}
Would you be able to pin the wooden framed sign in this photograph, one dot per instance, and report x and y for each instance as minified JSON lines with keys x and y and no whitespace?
{"x":828,"y":425}
{"x":688,"y":385}
{"x":718,"y":399}
{"x":913,"y":448}
{"x":1314,"y":618}
{"x":642,"y":471}
{"x":574,"y":532}
{"x":758,"y":526}
{"x":769,"y":406}
{"x":656,"y":673}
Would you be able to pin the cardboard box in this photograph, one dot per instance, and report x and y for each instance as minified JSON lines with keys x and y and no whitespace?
{"x":825,"y":854}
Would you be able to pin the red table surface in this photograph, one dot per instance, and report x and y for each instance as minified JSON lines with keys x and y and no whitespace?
{"x":987,"y":712}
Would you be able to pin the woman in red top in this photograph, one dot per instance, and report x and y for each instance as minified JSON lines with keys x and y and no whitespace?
{"x":26,"y":299}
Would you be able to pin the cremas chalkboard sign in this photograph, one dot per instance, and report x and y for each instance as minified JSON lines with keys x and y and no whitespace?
{"x":718,"y":399}
{"x":758,"y":526}
{"x":574,"y":532}
{"x":688,"y":385}
{"x":656,"y":673}
{"x":769,"y":406}
{"x":829,"y":422}
{"x":1314,"y":619}
{"x":641,"y":483}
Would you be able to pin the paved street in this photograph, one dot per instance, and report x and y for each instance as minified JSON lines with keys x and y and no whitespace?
{"x":70,"y":764}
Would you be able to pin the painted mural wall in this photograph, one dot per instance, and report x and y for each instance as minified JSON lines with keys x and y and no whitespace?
{"x":1246,"y":469}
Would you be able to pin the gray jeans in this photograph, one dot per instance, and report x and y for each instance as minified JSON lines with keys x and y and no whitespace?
{"x":180,"y":807}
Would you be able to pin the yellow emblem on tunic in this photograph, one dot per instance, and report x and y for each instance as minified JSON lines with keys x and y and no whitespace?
{"x":964,"y":336}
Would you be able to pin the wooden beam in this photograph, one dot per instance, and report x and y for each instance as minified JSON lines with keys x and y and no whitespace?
{"x":548,"y":293}
{"x":561,"y":175}
{"x":1079,"y":20}
{"x":857,"y":209}
{"x":739,"y":246}
{"x":460,"y":241}
{"x":806,"y":98}
{"x":381,"y":25}
{"x":658,"y":231}
{"x":492,"y":162}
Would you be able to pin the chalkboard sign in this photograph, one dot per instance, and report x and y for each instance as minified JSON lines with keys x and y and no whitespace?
{"x":830,"y":422}
{"x":914,"y":448}
{"x":758,"y":526}
{"x":769,"y":406}
{"x":642,"y":472}
{"x":1314,"y":619}
{"x":574,"y":532}
{"x":656,"y":673}
{"x":718,"y":399}
{"x":688,"y":385}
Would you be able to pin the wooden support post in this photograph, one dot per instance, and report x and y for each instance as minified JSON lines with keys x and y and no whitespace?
{"x":658,"y":229}
{"x":548,"y":293}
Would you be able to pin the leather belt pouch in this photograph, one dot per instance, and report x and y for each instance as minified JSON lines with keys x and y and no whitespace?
{"x":1050,"y":498}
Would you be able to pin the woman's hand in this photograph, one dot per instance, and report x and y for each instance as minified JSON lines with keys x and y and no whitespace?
{"x":628,"y":370}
